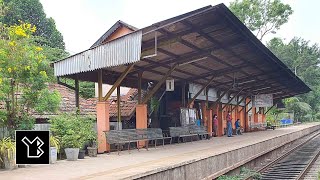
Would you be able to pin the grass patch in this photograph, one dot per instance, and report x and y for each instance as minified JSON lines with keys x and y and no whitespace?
{"x":244,"y":173}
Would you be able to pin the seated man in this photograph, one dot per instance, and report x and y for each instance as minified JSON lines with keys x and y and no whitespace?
{"x":238,"y":128}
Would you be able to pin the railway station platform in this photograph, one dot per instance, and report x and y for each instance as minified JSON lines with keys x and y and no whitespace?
{"x":205,"y":159}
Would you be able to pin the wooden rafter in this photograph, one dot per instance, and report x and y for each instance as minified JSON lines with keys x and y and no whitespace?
{"x":249,"y":109}
{"x":199,"y":92}
{"x":219,"y":98}
{"x":232,"y":99}
{"x":219,"y":72}
{"x":238,"y":103}
{"x":269,"y":109}
{"x":158,"y":85}
{"x":245,"y":105}
{"x":118,"y":82}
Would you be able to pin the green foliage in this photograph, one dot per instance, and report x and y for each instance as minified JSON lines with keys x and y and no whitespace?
{"x":48,"y":101}
{"x":261,"y":16}
{"x":73,"y":130}
{"x":244,"y":173}
{"x":25,"y":122}
{"x":273,"y":116}
{"x":55,"y":142}
{"x":154,"y":104}
{"x":31,"y":11}
{"x":303,"y":59}
{"x":86,"y":89}
{"x":23,"y":77}
{"x":7,"y":148}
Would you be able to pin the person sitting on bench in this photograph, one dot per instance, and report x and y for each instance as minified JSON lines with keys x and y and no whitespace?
{"x":238,"y":128}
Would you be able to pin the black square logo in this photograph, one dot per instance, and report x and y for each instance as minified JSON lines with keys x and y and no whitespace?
{"x":32,"y":147}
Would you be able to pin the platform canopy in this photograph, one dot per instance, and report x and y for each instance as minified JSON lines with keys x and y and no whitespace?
{"x":206,"y":45}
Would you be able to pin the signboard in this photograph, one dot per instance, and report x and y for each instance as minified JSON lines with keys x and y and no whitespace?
{"x":187,"y":116}
{"x":263,"y":100}
{"x":170,"y":85}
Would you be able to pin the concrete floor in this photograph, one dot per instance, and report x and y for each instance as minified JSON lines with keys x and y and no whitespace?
{"x":114,"y":166}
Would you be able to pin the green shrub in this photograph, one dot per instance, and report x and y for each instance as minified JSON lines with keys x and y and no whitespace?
{"x":73,"y":130}
{"x":244,"y":173}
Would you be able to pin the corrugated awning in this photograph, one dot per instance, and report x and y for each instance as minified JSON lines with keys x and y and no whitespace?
{"x":121,"y":51}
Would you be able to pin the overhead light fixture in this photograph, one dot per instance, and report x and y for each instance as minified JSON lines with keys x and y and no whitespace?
{"x":195,"y":60}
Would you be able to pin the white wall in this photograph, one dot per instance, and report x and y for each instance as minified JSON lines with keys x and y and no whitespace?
{"x":107,"y":87}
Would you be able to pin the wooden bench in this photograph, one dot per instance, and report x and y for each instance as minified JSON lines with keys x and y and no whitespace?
{"x":183,"y":132}
{"x":179,"y":132}
{"x":200,"y":130}
{"x":119,"y":137}
{"x":258,"y":126}
{"x":154,"y":134}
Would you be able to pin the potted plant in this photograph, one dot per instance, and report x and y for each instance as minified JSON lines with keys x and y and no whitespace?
{"x":7,"y":152}
{"x":72,"y":141}
{"x":92,"y":148}
{"x":73,"y":131}
{"x":54,"y":148}
{"x":87,"y":131}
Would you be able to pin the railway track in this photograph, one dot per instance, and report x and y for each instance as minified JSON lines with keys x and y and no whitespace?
{"x":295,"y":164}
{"x":312,"y":173}
{"x":300,"y":162}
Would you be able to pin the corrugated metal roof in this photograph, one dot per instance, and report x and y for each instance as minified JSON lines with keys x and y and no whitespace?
{"x":121,"y":51}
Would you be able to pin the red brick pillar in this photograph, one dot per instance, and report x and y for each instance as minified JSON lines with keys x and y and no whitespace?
{"x":204,"y":113}
{"x":220,"y":119}
{"x":141,"y":119}
{"x":247,"y":116}
{"x":209,"y":117}
{"x":263,"y":116}
{"x":103,"y":125}
{"x":241,"y":116}
{"x":255,"y":115}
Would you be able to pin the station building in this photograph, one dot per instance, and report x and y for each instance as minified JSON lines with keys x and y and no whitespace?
{"x":190,"y":67}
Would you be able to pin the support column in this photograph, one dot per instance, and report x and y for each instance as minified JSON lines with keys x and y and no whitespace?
{"x":204,"y":113}
{"x":255,"y":115}
{"x":139,"y":87}
{"x":218,"y":111}
{"x":264,"y":116}
{"x":246,"y":114}
{"x":141,"y":119}
{"x":103,"y":125}
{"x":118,"y":107}
{"x":209,"y":117}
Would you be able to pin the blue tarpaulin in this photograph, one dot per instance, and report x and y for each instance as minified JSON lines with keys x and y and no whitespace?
{"x":286,"y":121}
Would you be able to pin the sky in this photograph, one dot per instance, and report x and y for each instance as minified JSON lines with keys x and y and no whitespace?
{"x":82,"y":22}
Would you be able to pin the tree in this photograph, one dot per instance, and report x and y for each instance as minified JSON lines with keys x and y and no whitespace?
{"x":23,"y":77}
{"x":261,"y":16}
{"x":31,"y":11}
{"x":303,"y":59}
{"x":301,"y":109}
